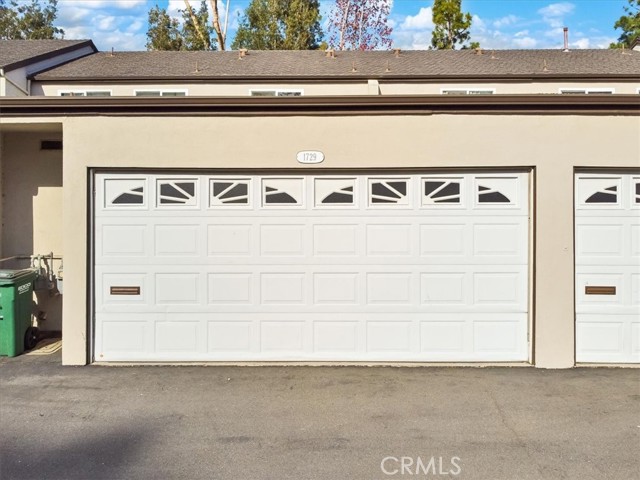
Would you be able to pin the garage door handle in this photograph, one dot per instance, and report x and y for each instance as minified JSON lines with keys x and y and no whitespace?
{"x":599,"y":290}
{"x":124,"y":290}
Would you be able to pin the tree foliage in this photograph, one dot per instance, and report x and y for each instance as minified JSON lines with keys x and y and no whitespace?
{"x":29,"y":20}
{"x":451,"y":25}
{"x":164,"y":31}
{"x":360,"y":25}
{"x":280,"y":25}
{"x":197,"y":33}
{"x":629,"y":23}
{"x":168,"y":33}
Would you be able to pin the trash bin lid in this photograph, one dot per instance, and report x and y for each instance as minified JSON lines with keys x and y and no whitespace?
{"x":12,"y":274}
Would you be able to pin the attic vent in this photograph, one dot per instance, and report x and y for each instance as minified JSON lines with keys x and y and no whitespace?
{"x":51,"y":145}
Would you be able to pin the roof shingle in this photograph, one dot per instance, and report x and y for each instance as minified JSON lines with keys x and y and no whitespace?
{"x":300,"y":65}
{"x":18,"y":52}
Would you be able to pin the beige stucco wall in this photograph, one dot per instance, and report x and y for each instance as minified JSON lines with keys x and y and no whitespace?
{"x":357,"y":88}
{"x":554,"y":145}
{"x":31,"y":187}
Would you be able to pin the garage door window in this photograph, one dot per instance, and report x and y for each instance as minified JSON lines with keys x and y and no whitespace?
{"x":229,"y":192}
{"x":602,"y":191}
{"x":496,"y":191}
{"x":330,"y":192}
{"x":608,"y":195}
{"x":637,"y":191}
{"x":177,"y":192}
{"x":124,"y":192}
{"x":393,"y":191}
{"x":441,"y":191}
{"x":282,"y":192}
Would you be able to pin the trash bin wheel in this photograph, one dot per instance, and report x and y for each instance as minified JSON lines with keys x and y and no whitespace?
{"x":30,"y":338}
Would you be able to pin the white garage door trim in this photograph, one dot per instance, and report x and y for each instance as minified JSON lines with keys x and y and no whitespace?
{"x":607,"y":256}
{"x":349,"y":267}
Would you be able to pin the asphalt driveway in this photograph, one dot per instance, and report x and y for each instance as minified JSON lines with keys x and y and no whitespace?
{"x":316,"y":422}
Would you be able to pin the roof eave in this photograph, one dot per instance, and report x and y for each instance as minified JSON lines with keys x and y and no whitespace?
{"x":341,"y":78}
{"x":51,"y":54}
{"x":321,"y":105}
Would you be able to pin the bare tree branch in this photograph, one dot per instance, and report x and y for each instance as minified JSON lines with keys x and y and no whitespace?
{"x":196,"y":23}
{"x":215,"y":20}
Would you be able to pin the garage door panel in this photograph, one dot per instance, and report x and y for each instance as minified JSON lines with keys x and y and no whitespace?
{"x":443,"y":288}
{"x":229,"y":240}
{"x":283,"y":240}
{"x":124,"y":336}
{"x":600,"y":241}
{"x":231,"y":288}
{"x":305,"y":278}
{"x":331,"y":240}
{"x":444,"y":338}
{"x":231,"y":336}
{"x":286,"y":337}
{"x":500,"y":239}
{"x":495,"y":337}
{"x":333,"y":288}
{"x":502,"y":289}
{"x":444,"y":239}
{"x":121,"y":240}
{"x":177,"y":336}
{"x":177,"y":288}
{"x":385,"y":239}
{"x":390,"y":336}
{"x":178,"y":240}
{"x":283,"y":288}
{"x":336,"y":337}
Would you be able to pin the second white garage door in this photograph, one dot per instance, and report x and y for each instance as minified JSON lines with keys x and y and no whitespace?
{"x":331,"y":268}
{"x":607,"y":268}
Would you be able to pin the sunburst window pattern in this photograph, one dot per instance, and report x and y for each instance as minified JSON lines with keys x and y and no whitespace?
{"x":229,"y":192}
{"x":605,"y":195}
{"x":491,"y":195}
{"x":134,"y":196}
{"x":282,"y":191}
{"x":441,"y":191}
{"x":177,"y":192}
{"x":334,"y":191}
{"x":123,"y":192}
{"x":391,"y":191}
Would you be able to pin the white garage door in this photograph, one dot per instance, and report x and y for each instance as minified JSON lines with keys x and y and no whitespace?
{"x":350,"y":267}
{"x":607,"y":268}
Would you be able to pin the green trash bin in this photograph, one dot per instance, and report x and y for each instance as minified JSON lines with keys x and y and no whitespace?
{"x":16,"y":299}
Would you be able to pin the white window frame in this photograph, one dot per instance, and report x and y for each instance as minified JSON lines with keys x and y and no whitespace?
{"x":586,"y":90}
{"x":276,"y":91}
{"x":161,"y":91}
{"x":83,"y":93}
{"x":467,"y":91}
{"x":638,"y":90}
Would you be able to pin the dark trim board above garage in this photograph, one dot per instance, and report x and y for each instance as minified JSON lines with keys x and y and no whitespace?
{"x":322,"y":105}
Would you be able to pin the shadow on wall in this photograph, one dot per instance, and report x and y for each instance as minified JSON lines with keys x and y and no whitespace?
{"x":32,"y":205}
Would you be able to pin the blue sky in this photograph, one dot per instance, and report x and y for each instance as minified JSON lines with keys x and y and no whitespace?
{"x":122,"y":24}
